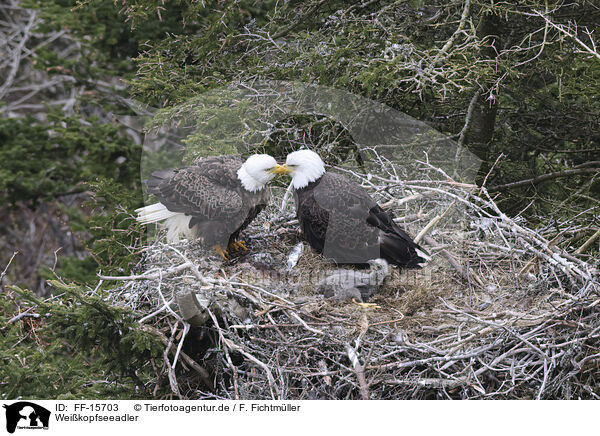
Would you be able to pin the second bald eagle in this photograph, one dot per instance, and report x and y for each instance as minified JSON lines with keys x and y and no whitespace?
{"x":340,"y":219}
{"x":214,"y":199}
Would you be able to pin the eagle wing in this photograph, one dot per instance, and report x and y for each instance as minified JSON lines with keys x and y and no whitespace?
{"x":194,"y":191}
{"x":220,"y":169}
{"x":348,"y":237}
{"x":336,"y":193}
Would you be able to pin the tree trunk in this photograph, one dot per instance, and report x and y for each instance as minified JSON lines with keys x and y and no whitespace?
{"x":484,"y":113}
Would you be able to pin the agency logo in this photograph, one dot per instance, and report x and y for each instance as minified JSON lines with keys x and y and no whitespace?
{"x":26,"y":415}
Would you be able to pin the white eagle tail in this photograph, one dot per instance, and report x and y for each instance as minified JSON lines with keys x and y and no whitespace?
{"x":176,"y":223}
{"x":154,"y":213}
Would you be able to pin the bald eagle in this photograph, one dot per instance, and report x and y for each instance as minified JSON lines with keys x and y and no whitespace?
{"x":346,"y":284}
{"x":214,"y":199}
{"x":340,"y":220}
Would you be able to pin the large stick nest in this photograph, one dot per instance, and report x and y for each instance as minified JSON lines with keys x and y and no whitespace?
{"x":500,"y":312}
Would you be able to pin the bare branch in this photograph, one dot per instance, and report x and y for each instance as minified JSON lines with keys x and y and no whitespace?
{"x":543,"y":178}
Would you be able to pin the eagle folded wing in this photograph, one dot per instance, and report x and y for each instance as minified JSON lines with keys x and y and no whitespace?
{"x":349,"y":238}
{"x":189,"y":191}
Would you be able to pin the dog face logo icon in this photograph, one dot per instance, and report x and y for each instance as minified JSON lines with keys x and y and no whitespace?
{"x":26,"y":415}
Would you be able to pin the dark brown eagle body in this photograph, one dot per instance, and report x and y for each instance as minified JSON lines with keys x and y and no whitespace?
{"x":340,"y":220}
{"x":211,"y":193}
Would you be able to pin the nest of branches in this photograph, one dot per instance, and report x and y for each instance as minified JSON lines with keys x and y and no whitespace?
{"x":500,"y":312}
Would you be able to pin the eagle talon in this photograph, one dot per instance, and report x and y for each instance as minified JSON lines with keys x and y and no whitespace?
{"x":221,"y":252}
{"x":366,"y":305}
{"x":238,"y":246}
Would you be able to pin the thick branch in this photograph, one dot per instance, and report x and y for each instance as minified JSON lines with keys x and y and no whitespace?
{"x":543,"y":178}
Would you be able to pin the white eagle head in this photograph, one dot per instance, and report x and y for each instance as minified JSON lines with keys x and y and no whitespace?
{"x":257,"y":171}
{"x":305,"y":166}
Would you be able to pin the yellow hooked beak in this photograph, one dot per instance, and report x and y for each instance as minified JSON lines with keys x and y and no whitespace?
{"x":280,"y":169}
